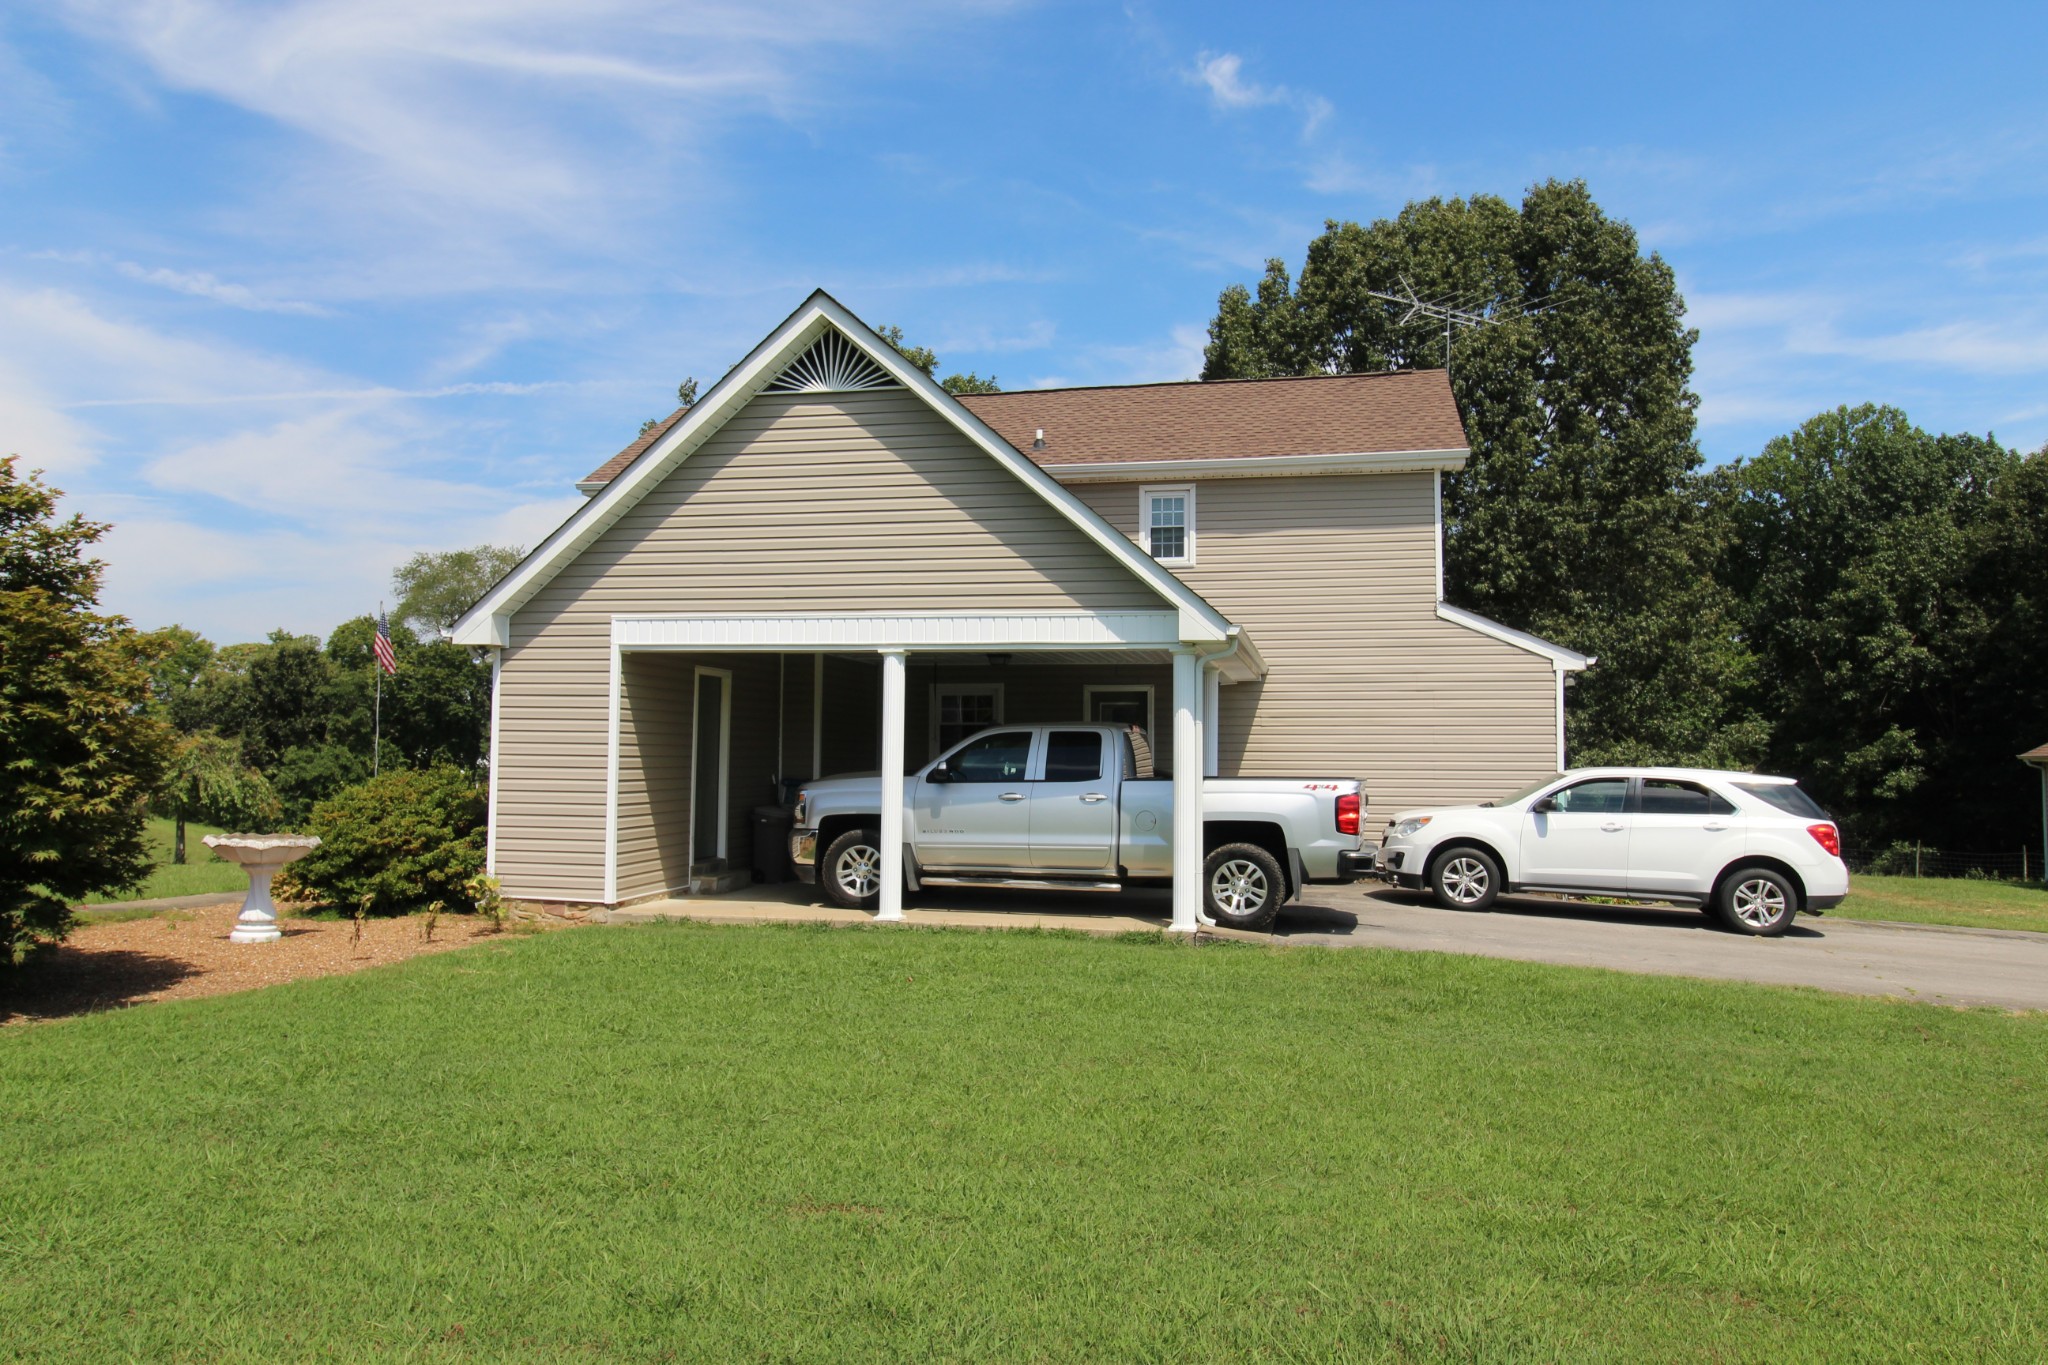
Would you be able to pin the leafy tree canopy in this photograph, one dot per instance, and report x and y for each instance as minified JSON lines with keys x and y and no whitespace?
{"x":1883,"y":573}
{"x":78,"y":751}
{"x":1578,"y":516}
{"x":434,"y":589}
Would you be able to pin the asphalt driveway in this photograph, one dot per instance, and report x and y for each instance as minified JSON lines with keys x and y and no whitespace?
{"x":2000,"y":967}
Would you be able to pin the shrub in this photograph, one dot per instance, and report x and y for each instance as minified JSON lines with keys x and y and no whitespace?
{"x":406,"y":840}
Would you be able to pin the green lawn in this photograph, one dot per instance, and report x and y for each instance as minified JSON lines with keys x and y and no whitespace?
{"x":201,"y":871}
{"x":1947,"y":900}
{"x":682,"y":1142}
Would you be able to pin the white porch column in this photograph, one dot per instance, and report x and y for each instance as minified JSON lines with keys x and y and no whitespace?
{"x":1212,"y":707}
{"x":1187,"y":791}
{"x":889,"y":905}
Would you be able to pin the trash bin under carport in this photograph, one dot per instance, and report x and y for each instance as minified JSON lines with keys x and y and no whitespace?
{"x":771,"y":843}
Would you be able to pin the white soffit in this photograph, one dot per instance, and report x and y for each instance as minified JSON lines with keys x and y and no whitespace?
{"x":970,"y":631}
{"x":488,"y":623}
{"x":1567,"y":660}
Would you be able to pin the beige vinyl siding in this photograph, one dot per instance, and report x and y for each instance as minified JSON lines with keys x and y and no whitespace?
{"x":865,"y":502}
{"x":656,"y":695}
{"x":1334,"y":577}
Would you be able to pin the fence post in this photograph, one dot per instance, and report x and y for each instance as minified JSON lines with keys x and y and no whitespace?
{"x":1916,"y":857}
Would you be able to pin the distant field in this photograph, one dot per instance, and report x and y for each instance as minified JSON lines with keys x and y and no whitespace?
{"x":202,"y":871}
{"x":1947,"y":900}
{"x":781,"y":1144}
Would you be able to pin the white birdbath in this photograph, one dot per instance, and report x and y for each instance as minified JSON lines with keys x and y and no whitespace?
{"x":260,"y":855}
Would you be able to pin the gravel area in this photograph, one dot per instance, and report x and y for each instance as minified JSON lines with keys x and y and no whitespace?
{"x":184,"y":953}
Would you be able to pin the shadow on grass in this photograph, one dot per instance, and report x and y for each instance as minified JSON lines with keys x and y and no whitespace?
{"x":63,"y":981}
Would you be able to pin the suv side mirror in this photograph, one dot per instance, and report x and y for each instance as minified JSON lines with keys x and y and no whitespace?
{"x":1544,"y":807}
{"x":940,"y":773}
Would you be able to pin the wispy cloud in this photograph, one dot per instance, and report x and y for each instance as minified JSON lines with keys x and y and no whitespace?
{"x":1222,"y":73}
{"x":201,"y":285}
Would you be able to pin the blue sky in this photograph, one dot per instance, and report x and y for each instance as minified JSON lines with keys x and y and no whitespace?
{"x":291,"y":290}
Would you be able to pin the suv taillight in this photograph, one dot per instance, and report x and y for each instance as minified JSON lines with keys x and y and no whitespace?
{"x":1827,"y":837}
{"x":1348,"y":811}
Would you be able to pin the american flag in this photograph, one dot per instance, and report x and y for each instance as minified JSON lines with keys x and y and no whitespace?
{"x":386,"y":659}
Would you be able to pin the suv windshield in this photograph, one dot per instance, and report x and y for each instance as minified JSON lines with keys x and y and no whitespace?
{"x":1522,"y":794}
{"x":1786,"y":797}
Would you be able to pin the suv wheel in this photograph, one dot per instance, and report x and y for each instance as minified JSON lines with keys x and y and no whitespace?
{"x":1242,"y":886}
{"x":1757,"y":900}
{"x":851,"y":871}
{"x":1464,"y":879}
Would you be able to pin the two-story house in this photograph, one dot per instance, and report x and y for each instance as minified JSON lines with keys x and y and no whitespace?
{"x":829,"y":563}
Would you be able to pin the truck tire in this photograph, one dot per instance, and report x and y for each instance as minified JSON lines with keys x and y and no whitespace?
{"x":851,"y":870}
{"x":1242,"y":887}
{"x":1464,"y":878}
{"x":1756,"y":900}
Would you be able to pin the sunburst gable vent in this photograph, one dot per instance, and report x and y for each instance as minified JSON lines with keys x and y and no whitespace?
{"x":831,"y":364}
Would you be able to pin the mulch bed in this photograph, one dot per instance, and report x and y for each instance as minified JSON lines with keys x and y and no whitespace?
{"x":184,"y":953}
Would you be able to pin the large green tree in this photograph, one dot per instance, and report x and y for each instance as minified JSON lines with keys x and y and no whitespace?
{"x":1579,"y":516}
{"x":1892,"y":586}
{"x":78,"y":750}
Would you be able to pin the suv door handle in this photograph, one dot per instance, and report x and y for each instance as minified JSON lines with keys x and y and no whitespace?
{"x":1011,"y":796}
{"x":1716,"y":825}
{"x":1611,"y":826}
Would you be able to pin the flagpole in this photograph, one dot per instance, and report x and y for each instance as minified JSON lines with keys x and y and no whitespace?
{"x":377,"y":714}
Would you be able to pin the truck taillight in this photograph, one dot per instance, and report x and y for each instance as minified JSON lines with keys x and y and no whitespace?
{"x":1827,"y":837}
{"x":1348,"y":811}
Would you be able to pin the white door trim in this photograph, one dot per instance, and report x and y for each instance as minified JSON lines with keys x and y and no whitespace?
{"x":724,"y":756}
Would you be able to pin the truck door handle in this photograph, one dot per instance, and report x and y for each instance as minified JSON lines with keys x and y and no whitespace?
{"x":1011,"y":796}
{"x":1092,"y":797}
{"x":1611,"y":826}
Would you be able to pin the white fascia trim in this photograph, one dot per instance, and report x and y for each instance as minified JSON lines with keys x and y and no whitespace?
{"x":481,"y":625}
{"x":931,"y":633}
{"x":1566,"y":660}
{"x":1262,"y":466}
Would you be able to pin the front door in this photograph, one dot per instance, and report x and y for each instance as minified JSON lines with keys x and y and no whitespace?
{"x":981,"y":817}
{"x":1073,"y":809}
{"x":710,"y":753}
{"x":1681,"y":837}
{"x":1581,"y":843}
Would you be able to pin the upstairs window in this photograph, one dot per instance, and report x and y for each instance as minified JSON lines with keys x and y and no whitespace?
{"x":1166,"y":518}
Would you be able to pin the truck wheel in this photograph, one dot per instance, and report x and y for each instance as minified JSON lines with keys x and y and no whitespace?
{"x":1243,"y":887}
{"x":1464,"y":879}
{"x":1756,"y":900}
{"x":851,"y":872}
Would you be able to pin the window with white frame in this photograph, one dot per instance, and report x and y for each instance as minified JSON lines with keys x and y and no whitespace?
{"x":1166,"y":521}
{"x":1118,"y":704}
{"x":960,"y":709}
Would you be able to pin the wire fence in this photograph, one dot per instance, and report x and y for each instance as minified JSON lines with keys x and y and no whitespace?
{"x":1903,"y":859}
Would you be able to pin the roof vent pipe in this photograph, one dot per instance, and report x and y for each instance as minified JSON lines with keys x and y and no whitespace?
{"x":1038,"y":441}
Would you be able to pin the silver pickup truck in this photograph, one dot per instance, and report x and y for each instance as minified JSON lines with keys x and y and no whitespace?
{"x":1078,"y":807}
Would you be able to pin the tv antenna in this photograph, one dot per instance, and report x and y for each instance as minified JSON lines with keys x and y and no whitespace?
{"x":1418,"y":307}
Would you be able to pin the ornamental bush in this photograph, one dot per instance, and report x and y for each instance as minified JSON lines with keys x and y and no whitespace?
{"x":408,"y":840}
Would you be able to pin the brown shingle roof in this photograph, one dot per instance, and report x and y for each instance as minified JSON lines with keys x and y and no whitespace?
{"x":1347,"y":414}
{"x":616,"y":465}
{"x":2039,"y":756}
{"x":1351,"y":414}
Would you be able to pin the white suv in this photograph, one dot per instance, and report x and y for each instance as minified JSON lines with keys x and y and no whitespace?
{"x":1756,"y":850}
